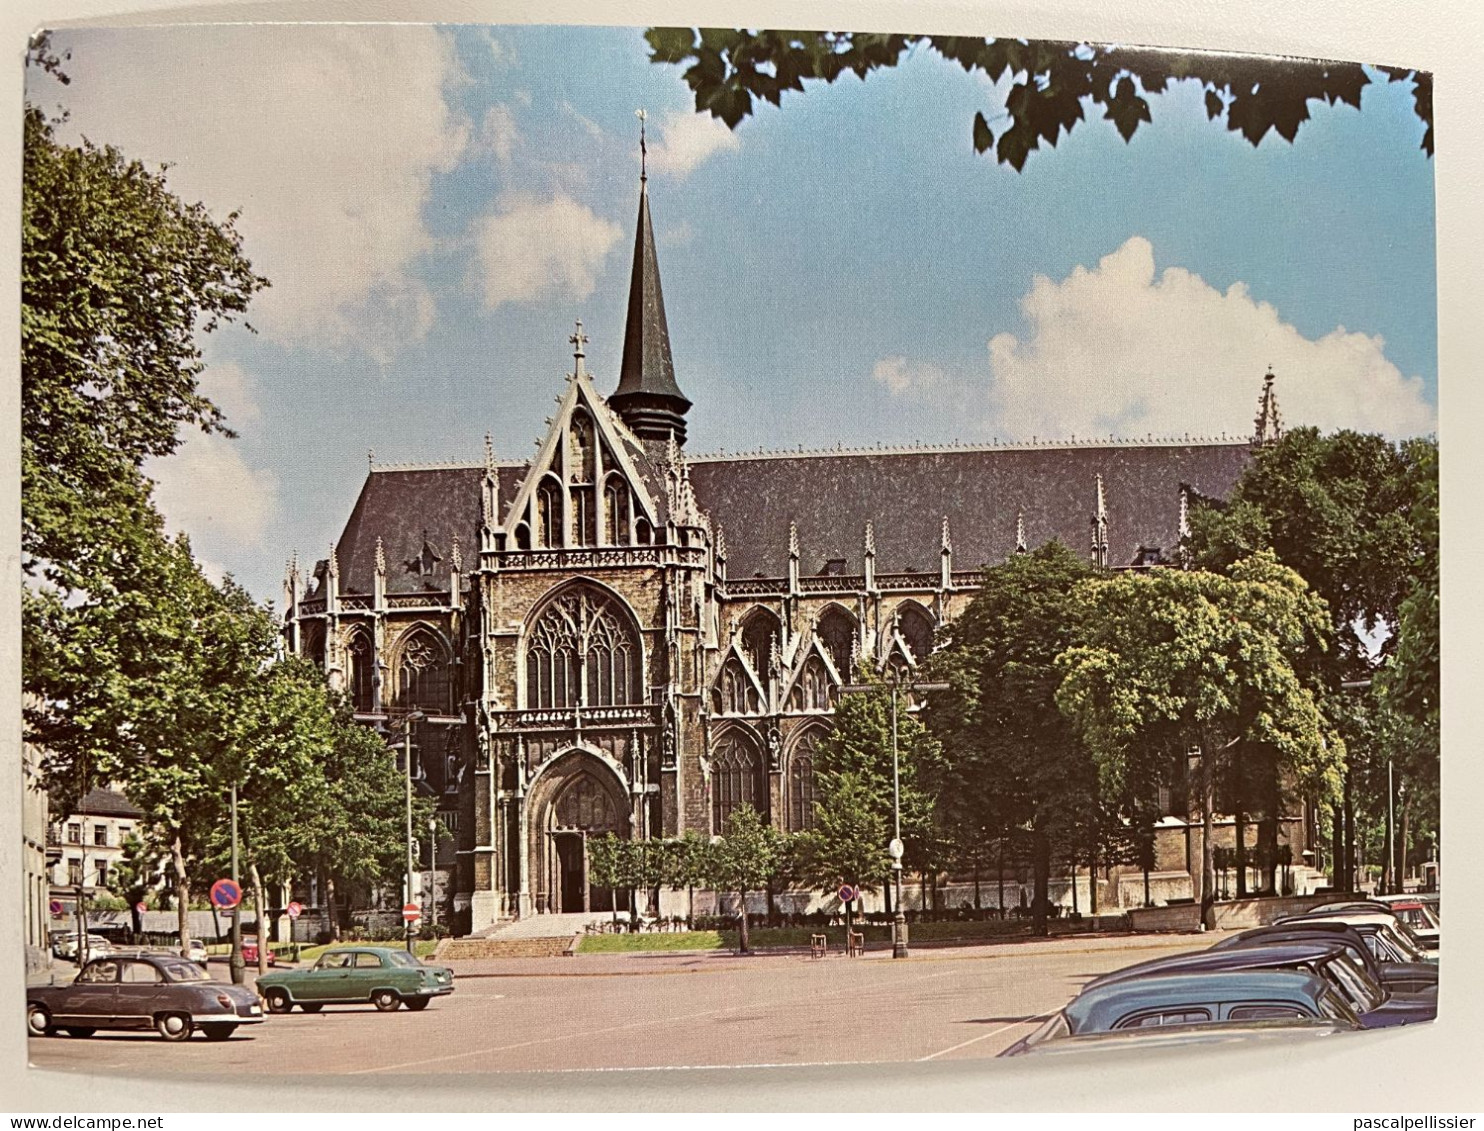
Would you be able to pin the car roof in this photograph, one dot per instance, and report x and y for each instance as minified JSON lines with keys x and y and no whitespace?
{"x":1098,"y":1007}
{"x":1230,"y":958}
{"x":1209,"y":1032}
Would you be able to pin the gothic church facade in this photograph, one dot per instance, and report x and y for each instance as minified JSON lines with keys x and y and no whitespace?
{"x":621,"y":637}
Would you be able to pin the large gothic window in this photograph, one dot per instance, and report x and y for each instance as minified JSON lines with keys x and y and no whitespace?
{"x":616,"y":511}
{"x":362,"y":671}
{"x":760,"y":634}
{"x":549,"y":514}
{"x":837,"y":633}
{"x":422,"y":674}
{"x":585,"y":804}
{"x":916,"y":628}
{"x":801,"y":789}
{"x":736,"y":779}
{"x":582,"y":651}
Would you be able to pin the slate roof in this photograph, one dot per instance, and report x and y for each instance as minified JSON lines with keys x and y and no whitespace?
{"x":399,"y":505}
{"x":106,"y":803}
{"x":907,"y":494}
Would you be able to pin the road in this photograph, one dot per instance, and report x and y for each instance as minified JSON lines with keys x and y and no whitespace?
{"x":657,"y":1010}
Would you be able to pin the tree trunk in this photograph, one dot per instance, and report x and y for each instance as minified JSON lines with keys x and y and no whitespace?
{"x":1000,"y":868}
{"x":887,"y":896}
{"x":182,"y":893}
{"x":746,"y":946}
{"x":1402,"y":848}
{"x":978,"y":903}
{"x":772,"y":909}
{"x":1041,"y":865}
{"x":1092,"y":878}
{"x":1241,"y":854}
{"x":262,"y":908}
{"x":330,"y":907}
{"x":690,"y":918}
{"x":1075,"y":909}
{"x":1337,"y":847}
{"x":1208,"y":860}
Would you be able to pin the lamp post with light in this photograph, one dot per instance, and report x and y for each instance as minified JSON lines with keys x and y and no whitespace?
{"x":899,"y":680}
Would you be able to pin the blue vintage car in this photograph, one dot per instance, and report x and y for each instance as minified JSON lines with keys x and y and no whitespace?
{"x":1223,"y":996}
{"x":384,"y":976}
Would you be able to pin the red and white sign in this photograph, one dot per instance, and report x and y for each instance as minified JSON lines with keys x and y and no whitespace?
{"x":139,"y":907}
{"x":226,"y":894}
{"x":294,"y":910}
{"x":411,"y":912}
{"x":56,"y":908}
{"x":847,"y":893}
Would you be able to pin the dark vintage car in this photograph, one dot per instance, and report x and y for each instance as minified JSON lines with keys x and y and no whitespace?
{"x":1216,"y":997}
{"x":1400,"y":977}
{"x":1289,"y":1030}
{"x":165,"y":992}
{"x":1390,"y":939}
{"x":384,"y":976}
{"x":1375,"y":1005}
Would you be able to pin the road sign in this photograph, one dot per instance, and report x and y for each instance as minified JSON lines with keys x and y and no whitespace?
{"x":294,"y":910}
{"x":56,"y":908}
{"x":411,"y":912}
{"x":847,"y":893}
{"x":139,"y":907}
{"x":226,"y":894}
{"x":896,"y":848}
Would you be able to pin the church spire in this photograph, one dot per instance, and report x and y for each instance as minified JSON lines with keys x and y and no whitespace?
{"x":647,"y":396}
{"x":1268,"y":427}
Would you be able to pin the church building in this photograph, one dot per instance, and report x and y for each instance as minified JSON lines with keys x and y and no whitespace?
{"x":620,"y":636}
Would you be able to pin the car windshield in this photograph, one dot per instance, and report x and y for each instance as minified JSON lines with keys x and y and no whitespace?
{"x":184,"y":972}
{"x":1053,"y":1027}
{"x":1359,"y":988}
{"x":402,"y":958}
{"x":1405,"y":941}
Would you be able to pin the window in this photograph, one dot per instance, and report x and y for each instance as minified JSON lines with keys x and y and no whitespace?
{"x":801,"y":792}
{"x":549,"y":515}
{"x":616,"y":512}
{"x":102,"y":880}
{"x":736,"y":779}
{"x":916,"y":629}
{"x":1164,"y":1017}
{"x":100,"y":836}
{"x":422,"y":673}
{"x":98,"y":973}
{"x":736,"y":694}
{"x":366,"y":961}
{"x":451,"y":773}
{"x":760,"y":636}
{"x":836,"y":631}
{"x":362,"y":672}
{"x":139,"y":973}
{"x":450,"y":819}
{"x":74,"y":870}
{"x":1264,"y":1012}
{"x":811,"y":692}
{"x":584,"y":804}
{"x":74,"y":833}
{"x":583,"y":650}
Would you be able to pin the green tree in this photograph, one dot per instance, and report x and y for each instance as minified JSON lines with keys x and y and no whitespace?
{"x":1174,"y":662}
{"x":135,"y":874}
{"x":742,"y":860}
{"x":1018,"y":767}
{"x":731,"y":70}
{"x":847,"y":844}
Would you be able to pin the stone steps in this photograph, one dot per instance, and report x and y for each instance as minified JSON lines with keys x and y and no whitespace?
{"x":453,"y":950}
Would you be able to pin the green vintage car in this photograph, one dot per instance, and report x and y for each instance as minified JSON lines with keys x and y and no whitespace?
{"x":385,"y":976}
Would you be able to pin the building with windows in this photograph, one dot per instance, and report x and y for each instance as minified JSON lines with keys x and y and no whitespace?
{"x":621,"y":636}
{"x":86,"y":846}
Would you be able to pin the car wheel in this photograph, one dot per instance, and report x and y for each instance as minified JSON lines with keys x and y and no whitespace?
{"x":279,"y":1001}
{"x":80,"y":1031}
{"x":418,"y":1004}
{"x":217,"y":1031}
{"x":312,"y":1006}
{"x":39,"y":1022}
{"x":385,"y":1000}
{"x":173,"y":1026}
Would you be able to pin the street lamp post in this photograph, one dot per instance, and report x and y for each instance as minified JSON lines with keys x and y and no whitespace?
{"x":235,"y":963}
{"x":410,"y":718}
{"x":433,"y":873}
{"x":896,"y":848}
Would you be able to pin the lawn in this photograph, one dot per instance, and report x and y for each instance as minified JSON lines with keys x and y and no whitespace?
{"x":655,"y":940}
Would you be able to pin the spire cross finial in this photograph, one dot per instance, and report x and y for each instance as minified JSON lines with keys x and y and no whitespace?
{"x":643,"y":116}
{"x":578,"y":340}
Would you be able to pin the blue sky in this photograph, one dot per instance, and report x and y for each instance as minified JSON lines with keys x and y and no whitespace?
{"x":436,"y":206}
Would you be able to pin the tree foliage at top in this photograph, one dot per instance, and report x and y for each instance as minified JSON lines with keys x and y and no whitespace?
{"x":731,"y":70}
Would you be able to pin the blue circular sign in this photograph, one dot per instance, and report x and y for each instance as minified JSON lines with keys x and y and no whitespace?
{"x":226,"y":894}
{"x":847,"y":893}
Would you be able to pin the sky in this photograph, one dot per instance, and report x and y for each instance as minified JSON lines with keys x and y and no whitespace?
{"x":436,"y":206}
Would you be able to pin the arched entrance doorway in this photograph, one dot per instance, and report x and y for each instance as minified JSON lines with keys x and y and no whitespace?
{"x":576,"y":800}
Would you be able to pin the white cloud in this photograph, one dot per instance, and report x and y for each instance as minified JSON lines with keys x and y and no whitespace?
{"x":231,"y":388}
{"x":1119,"y":350}
{"x":207,"y":490}
{"x":900,"y":375}
{"x":538,"y":249}
{"x":686,"y":140}
{"x":499,"y":133}
{"x":325,"y":137}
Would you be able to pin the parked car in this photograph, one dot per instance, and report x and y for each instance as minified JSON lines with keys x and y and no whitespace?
{"x":1389,"y":939}
{"x":250,"y":951}
{"x":196,"y":952}
{"x":1376,"y":1006}
{"x":385,"y":976}
{"x":1158,"y":1000}
{"x":1402,"y":977}
{"x":141,"y":991}
{"x":94,"y":946}
{"x":1286,"y":1030}
{"x":1417,"y":915}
